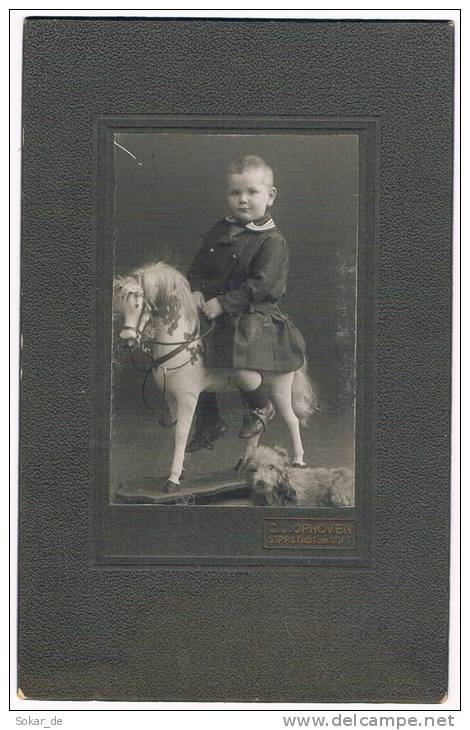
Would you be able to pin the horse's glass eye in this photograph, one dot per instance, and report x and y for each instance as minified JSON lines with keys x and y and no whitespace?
{"x":271,"y":467}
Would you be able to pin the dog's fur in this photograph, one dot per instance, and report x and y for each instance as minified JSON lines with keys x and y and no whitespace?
{"x":276,"y":482}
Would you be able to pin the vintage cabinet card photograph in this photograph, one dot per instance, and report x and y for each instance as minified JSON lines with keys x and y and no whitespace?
{"x":236,"y":258}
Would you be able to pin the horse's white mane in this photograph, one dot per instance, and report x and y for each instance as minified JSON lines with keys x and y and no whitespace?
{"x":161,"y":283}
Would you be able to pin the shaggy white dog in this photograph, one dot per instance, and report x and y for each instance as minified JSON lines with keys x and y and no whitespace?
{"x":276,"y":482}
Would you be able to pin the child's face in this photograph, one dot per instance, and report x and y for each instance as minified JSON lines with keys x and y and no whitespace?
{"x":249,"y":194}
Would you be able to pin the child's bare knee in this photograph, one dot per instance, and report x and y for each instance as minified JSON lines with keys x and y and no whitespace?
{"x":247,"y":379}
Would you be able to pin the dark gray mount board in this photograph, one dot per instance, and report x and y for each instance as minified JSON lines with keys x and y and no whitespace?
{"x":95,"y":624}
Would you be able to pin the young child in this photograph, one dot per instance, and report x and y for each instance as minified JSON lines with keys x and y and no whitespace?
{"x":237,"y":278}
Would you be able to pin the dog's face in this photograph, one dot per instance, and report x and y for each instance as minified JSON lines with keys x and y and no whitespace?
{"x":267,"y":473}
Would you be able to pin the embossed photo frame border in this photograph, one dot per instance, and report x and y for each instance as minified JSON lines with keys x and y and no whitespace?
{"x":143,"y":535}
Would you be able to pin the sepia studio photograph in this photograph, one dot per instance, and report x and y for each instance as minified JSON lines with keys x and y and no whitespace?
{"x":234,"y":318}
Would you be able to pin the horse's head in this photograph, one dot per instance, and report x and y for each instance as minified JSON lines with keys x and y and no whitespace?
{"x":128,"y":300}
{"x":156,"y":290}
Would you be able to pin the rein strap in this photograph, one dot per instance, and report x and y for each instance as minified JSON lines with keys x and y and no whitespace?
{"x":181,"y":345}
{"x":164,"y":358}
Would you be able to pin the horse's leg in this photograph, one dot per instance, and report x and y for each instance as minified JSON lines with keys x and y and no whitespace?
{"x":171,"y":403}
{"x":168,"y":399}
{"x":281,"y":394}
{"x":185,"y":407}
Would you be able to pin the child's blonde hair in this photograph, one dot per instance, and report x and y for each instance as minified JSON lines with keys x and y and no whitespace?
{"x":251,"y":162}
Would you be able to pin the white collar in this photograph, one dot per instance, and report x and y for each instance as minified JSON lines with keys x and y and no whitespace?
{"x":266,"y":226}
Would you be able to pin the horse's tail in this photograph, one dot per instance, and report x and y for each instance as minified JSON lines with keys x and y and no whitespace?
{"x":304,"y":397}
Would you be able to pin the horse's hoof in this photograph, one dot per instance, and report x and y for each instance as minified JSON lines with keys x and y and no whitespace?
{"x":171,"y":487}
{"x":298,"y":465}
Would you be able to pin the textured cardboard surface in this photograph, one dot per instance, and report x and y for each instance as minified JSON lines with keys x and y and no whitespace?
{"x":236,"y":633}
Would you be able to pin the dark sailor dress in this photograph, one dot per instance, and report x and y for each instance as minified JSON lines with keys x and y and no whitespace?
{"x":246,"y":268}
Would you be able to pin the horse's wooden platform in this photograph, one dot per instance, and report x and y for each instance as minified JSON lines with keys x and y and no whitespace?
{"x":202,"y":489}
